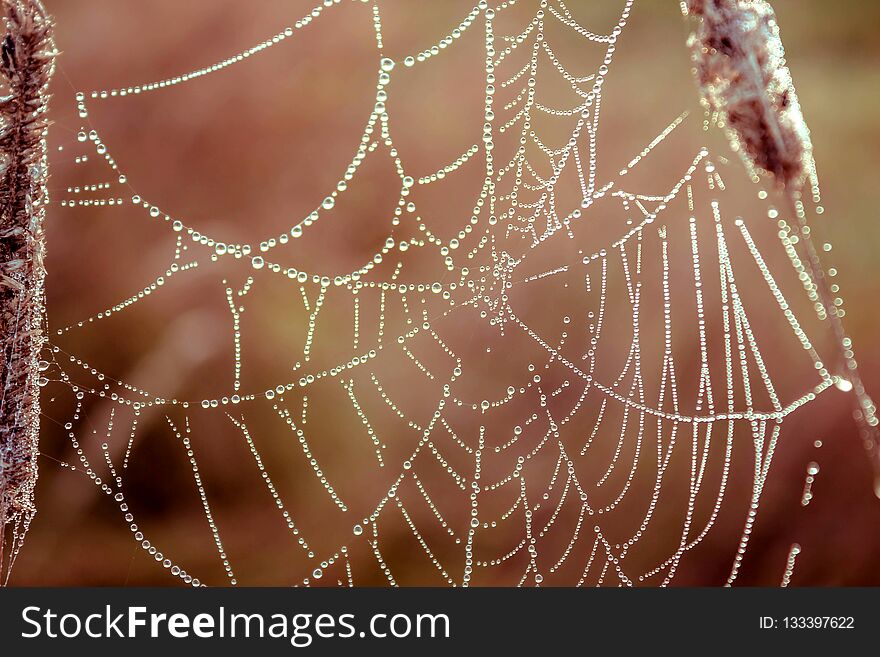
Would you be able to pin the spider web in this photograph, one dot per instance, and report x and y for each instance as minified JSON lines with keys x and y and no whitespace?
{"x":501,"y":438}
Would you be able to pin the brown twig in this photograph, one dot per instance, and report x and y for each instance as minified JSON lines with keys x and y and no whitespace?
{"x":740,"y":66}
{"x":27,"y":55}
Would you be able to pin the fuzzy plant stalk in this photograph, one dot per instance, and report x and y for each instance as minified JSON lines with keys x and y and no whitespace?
{"x":27,"y":55}
{"x":739,"y":62}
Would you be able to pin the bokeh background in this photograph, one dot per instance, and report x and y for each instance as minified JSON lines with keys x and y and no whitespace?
{"x":245,"y":152}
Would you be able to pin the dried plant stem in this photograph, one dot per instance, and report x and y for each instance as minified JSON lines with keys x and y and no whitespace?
{"x":740,"y":65}
{"x":27,"y":63}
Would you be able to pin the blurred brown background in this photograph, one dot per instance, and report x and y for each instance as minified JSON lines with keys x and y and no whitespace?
{"x":245,"y":153}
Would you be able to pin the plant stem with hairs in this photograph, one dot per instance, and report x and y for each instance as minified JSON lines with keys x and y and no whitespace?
{"x":740,"y":66}
{"x":27,"y":55}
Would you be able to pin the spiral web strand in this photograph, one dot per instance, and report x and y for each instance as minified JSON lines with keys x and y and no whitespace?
{"x":558,"y":476}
